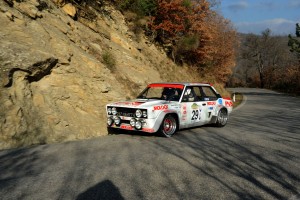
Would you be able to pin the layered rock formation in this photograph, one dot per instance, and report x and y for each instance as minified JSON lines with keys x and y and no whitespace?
{"x":54,"y":83}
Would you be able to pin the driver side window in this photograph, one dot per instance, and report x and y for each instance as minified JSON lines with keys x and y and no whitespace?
{"x":190,"y":94}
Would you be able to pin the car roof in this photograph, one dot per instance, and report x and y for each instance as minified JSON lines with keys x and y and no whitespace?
{"x":179,"y":83}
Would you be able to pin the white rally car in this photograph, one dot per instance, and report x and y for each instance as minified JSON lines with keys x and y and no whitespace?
{"x":167,"y":107}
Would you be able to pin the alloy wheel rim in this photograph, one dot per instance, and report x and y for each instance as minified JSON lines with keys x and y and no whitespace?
{"x":169,"y":126}
{"x":223,"y":117}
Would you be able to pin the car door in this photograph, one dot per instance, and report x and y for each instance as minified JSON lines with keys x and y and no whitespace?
{"x":210,"y":99}
{"x":193,"y":107}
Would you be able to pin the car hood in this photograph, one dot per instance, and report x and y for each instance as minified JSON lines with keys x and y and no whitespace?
{"x":139,"y":103}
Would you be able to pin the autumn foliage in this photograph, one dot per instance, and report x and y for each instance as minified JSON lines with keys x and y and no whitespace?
{"x":194,"y":34}
{"x":221,"y":48}
{"x":191,"y":33}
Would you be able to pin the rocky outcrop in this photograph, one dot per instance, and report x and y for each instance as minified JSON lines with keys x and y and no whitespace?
{"x":69,"y":9}
{"x":35,"y":72}
{"x":54,"y":84}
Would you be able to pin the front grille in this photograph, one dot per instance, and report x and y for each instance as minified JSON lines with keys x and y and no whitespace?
{"x":125,"y":122}
{"x":127,"y":112}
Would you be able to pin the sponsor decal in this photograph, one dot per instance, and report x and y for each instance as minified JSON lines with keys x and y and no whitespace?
{"x":161,"y":107}
{"x":126,"y":127}
{"x":184,"y":112}
{"x":210,"y":108}
{"x":126,"y":114}
{"x":211,"y":103}
{"x":195,"y":106}
{"x":129,"y":103}
{"x":137,"y":103}
{"x":220,"y":101}
{"x":228,"y":103}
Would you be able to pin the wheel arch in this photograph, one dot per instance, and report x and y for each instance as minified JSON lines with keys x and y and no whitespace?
{"x":224,"y":108}
{"x":214,"y":117}
{"x":221,"y":123}
{"x":169,"y":124}
{"x":161,"y":117}
{"x":176,"y":118}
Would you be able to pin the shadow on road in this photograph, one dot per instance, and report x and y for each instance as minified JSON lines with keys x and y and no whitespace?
{"x":239,"y":162}
{"x":104,"y":190}
{"x":255,"y":156}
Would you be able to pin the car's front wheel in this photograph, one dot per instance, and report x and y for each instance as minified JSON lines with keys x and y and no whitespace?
{"x":168,"y":126}
{"x":222,"y":118}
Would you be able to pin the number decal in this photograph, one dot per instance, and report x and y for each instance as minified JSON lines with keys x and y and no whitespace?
{"x":195,"y":114}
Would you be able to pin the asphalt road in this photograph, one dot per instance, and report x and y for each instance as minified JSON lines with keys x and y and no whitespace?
{"x":256,"y":156}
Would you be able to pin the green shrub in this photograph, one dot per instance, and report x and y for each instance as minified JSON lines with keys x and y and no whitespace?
{"x":187,"y":3}
{"x":109,"y":60}
{"x":188,"y":43}
{"x":147,"y":7}
{"x":140,"y":7}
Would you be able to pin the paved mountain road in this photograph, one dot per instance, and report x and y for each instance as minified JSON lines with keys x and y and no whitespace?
{"x":256,"y":156}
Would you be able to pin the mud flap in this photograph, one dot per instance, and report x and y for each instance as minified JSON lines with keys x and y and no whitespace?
{"x":213,"y":120}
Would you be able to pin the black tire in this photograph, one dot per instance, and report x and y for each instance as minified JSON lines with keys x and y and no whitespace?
{"x":222,"y":118}
{"x":168,"y":126}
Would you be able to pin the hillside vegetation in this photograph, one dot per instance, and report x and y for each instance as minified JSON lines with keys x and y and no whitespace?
{"x":269,"y":61}
{"x":62,"y":61}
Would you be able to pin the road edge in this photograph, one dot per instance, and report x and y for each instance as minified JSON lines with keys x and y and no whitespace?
{"x":242,"y":104}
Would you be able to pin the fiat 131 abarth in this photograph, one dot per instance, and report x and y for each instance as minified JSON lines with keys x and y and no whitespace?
{"x":168,"y":107}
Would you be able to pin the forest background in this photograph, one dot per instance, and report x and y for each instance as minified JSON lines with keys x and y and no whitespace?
{"x":194,"y":33}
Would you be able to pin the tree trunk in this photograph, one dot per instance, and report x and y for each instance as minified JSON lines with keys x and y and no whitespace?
{"x":262,"y":80}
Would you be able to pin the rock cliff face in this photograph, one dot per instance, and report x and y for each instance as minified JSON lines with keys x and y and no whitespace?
{"x":54,"y":83}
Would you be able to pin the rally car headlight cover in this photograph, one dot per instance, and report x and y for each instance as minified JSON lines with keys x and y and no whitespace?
{"x":114,"y":110}
{"x":138,"y":125}
{"x":138,"y":113}
{"x":117,"y":120}
{"x":145,"y":113}
{"x":132,"y":122}
{"x":110,"y":121}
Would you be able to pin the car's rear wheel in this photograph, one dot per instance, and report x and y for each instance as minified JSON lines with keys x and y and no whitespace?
{"x":168,"y":126}
{"x":222,"y":118}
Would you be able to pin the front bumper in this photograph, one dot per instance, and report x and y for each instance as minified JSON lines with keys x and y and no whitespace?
{"x":147,"y":125}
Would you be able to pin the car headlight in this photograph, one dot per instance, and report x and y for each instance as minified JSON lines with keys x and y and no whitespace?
{"x":145,"y":114}
{"x":109,"y":111}
{"x":117,"y":120}
{"x":138,"y":113}
{"x":138,"y":125}
{"x":132,"y":122}
{"x":110,"y":121}
{"x":114,"y":111}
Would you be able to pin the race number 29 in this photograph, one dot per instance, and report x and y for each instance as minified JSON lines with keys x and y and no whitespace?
{"x":195,"y":114}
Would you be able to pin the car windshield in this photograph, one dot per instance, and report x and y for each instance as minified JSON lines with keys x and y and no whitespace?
{"x":162,"y":92}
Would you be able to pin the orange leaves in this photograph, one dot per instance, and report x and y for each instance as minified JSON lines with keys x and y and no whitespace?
{"x":196,"y":35}
{"x":225,"y":43}
{"x":170,"y":18}
{"x":179,"y":17}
